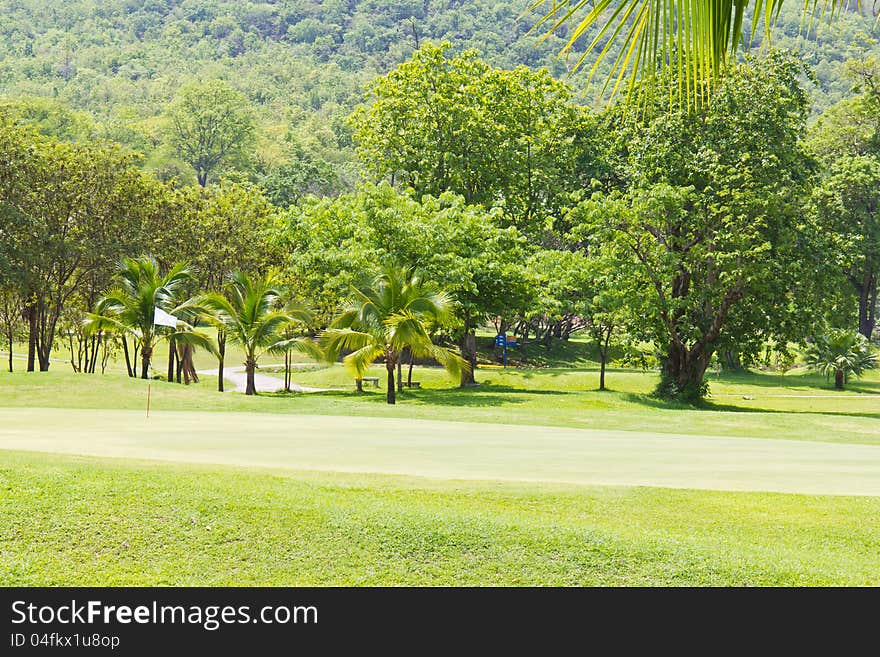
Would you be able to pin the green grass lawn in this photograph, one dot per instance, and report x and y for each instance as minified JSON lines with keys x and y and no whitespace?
{"x":497,"y":484}
{"x":752,"y":405}
{"x":70,"y":520}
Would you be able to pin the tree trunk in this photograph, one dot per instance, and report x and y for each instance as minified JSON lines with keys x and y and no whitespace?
{"x":185,"y":365}
{"x":868,"y":304}
{"x":391,"y":396}
{"x":172,"y":352}
{"x":9,"y":339}
{"x":128,"y":364}
{"x":221,"y":351}
{"x":731,"y":360}
{"x":409,"y":373}
{"x":400,"y":375}
{"x":468,"y":348}
{"x":202,"y":177}
{"x":45,"y":335}
{"x":683,"y":373}
{"x":838,"y":379}
{"x":250,"y":366}
{"x":96,"y":347}
{"x":359,"y":385}
{"x":603,"y":356}
{"x":32,"y":336}
{"x":146,"y":354}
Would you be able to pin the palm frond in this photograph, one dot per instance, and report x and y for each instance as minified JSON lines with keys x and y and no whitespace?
{"x":359,"y":361}
{"x":305,"y":346}
{"x":195,"y":339}
{"x":686,"y":40}
{"x":335,"y":341}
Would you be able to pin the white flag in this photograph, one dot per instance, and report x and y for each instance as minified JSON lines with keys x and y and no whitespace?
{"x":161,"y":318}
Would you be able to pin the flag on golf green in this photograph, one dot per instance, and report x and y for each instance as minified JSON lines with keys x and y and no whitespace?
{"x":161,"y":318}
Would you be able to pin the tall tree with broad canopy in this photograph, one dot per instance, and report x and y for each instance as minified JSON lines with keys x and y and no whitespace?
{"x":393,"y":314}
{"x":711,"y":225}
{"x":847,"y":202}
{"x":460,"y":247}
{"x":846,"y":139}
{"x":218,"y":230}
{"x":210,"y":125}
{"x":70,"y":212}
{"x":510,"y":139}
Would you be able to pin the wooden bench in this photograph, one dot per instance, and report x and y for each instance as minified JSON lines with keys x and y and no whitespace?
{"x":414,"y":384}
{"x":373,"y":379}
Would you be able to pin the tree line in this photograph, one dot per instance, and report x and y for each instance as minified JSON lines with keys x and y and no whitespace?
{"x":708,"y":233}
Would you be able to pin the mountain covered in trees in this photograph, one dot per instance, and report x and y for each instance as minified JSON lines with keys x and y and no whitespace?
{"x":84,"y":69}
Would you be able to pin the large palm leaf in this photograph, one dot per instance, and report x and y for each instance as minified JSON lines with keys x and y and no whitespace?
{"x":686,"y":40}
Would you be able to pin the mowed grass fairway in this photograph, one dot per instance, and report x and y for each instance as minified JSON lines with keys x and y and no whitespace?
{"x":532,"y":478}
{"x":450,"y":450}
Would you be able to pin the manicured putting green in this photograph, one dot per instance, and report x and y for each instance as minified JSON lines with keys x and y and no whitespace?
{"x":450,"y":450}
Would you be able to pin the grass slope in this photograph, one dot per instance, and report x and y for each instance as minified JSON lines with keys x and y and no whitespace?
{"x":82,"y":521}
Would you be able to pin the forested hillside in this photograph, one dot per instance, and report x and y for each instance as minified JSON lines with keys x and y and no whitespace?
{"x":89,"y":68}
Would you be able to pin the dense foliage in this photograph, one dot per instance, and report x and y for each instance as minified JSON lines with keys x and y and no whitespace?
{"x":695,"y":234}
{"x":83,"y":69}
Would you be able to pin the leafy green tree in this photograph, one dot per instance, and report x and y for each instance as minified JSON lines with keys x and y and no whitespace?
{"x":11,"y":311}
{"x":394,"y":314}
{"x":846,"y":139}
{"x":250,"y":314}
{"x":442,"y":123}
{"x":458,"y":246}
{"x":210,"y":125}
{"x":848,"y":205}
{"x":843,"y":354}
{"x":710,"y":228}
{"x":287,"y":183}
{"x":130,"y":310}
{"x":218,"y":230}
{"x":73,"y":210}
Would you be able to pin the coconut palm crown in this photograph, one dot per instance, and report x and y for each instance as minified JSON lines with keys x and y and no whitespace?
{"x":251,"y":313}
{"x":395,"y":312}
{"x":129,"y":308}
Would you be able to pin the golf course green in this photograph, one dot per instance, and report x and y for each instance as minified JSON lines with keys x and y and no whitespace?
{"x":533,"y":477}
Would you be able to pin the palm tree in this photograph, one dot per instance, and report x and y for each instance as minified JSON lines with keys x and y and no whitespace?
{"x":393,"y":314}
{"x":129,"y":310}
{"x":842,"y":353}
{"x":691,"y":40}
{"x":250,"y":314}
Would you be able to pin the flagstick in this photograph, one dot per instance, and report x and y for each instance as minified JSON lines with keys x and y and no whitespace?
{"x":149,"y":386}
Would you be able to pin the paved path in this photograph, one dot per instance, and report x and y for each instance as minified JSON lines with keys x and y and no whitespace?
{"x":263,"y":382}
{"x":449,"y":450}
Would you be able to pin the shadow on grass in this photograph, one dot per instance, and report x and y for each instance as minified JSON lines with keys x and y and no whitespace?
{"x":810,"y":380}
{"x":485,"y":394}
{"x":709,"y":405}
